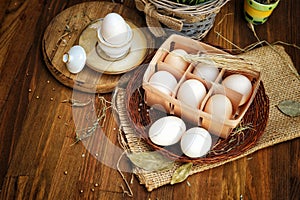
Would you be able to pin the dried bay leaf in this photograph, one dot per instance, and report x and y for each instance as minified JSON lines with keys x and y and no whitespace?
{"x":150,"y":161}
{"x":290,"y":108}
{"x":181,"y":173}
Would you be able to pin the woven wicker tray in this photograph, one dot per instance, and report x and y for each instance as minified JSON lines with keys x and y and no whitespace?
{"x":140,"y":118}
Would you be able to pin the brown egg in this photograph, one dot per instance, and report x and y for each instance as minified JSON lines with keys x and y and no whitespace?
{"x":219,"y":106}
{"x":220,"y":109}
{"x":174,"y":58}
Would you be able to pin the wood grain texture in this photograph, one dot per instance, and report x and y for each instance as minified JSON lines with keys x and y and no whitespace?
{"x":65,"y":30}
{"x":37,"y":130}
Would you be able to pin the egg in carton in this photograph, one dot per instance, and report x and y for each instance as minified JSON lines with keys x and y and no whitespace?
{"x":182,"y":89}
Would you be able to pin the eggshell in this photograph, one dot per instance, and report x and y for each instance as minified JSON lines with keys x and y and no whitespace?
{"x":240,"y":84}
{"x":219,"y":106}
{"x":163,"y":81}
{"x":196,"y":142}
{"x":167,"y":130}
{"x":175,"y":59}
{"x":114,"y":29}
{"x":208,"y":72}
{"x":191,"y":92}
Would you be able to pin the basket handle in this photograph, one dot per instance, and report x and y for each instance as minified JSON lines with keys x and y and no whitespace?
{"x":153,"y":18}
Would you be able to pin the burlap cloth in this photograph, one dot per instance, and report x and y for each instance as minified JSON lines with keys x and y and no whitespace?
{"x":281,"y":82}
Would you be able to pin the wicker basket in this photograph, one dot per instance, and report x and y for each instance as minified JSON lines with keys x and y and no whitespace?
{"x":142,"y":116}
{"x":192,"y":21}
{"x":231,"y":143}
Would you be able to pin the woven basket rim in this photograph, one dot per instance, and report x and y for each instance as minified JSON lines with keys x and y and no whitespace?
{"x":257,"y":112}
{"x":200,"y":9}
{"x":174,"y":15}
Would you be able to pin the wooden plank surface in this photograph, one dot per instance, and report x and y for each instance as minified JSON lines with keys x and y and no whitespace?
{"x":38,"y":159}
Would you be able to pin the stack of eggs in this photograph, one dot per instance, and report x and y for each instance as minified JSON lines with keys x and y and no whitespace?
{"x":191,"y":89}
{"x":114,"y":36}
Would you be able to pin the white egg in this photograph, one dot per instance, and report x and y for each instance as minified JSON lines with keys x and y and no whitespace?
{"x":208,"y":72}
{"x":196,"y":142}
{"x":191,"y":92}
{"x":163,"y":81}
{"x":114,"y":29}
{"x":175,"y":59}
{"x":219,"y":106}
{"x":167,"y":130}
{"x":240,"y":84}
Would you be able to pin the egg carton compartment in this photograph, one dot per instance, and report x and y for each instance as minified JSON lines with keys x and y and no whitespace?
{"x":179,"y":107}
{"x":177,"y":73}
{"x":197,"y":115}
{"x":167,"y":102}
{"x":208,"y":73}
{"x":189,"y":75}
{"x":220,"y":123}
{"x":176,"y":42}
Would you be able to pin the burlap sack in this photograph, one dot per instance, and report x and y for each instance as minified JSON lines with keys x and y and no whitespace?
{"x":281,"y":82}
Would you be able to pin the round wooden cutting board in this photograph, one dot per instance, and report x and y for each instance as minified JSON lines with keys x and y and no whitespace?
{"x":97,"y":59}
{"x":65,"y":30}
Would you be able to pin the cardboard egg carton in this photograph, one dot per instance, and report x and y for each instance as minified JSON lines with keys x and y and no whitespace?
{"x":196,"y":116}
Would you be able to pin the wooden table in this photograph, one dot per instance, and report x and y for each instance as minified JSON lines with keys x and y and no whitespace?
{"x":37,"y":130}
